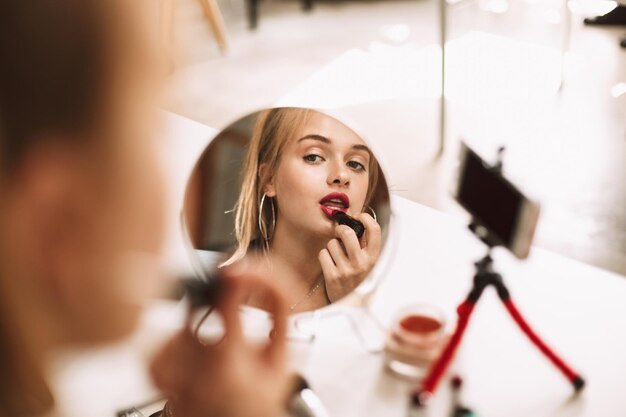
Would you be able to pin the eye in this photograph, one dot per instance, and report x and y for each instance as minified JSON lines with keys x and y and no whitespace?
{"x":357,"y":166}
{"x":313,"y":158}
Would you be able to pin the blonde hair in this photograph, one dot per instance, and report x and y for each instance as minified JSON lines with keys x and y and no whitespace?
{"x":274,"y":128}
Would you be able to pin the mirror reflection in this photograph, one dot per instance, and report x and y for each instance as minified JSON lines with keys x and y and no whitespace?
{"x":299,"y":192}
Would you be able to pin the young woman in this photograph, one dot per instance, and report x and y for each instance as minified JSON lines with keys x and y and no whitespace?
{"x":302,"y":166}
{"x":81,"y":212}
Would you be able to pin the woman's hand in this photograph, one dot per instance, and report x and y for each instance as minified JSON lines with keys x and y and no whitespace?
{"x":346,"y":261}
{"x":232,"y":378}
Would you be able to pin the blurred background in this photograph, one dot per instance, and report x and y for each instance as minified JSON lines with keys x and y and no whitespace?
{"x":527,"y":74}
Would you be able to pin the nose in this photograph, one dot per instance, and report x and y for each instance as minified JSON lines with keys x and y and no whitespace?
{"x":338,"y":175}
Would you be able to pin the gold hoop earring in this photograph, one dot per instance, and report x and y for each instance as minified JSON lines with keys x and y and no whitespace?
{"x":262,"y":226}
{"x":371,"y":210}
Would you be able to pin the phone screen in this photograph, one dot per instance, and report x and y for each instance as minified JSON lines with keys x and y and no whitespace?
{"x":494,"y":202}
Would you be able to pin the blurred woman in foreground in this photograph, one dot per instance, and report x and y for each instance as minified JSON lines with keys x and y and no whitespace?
{"x":81,"y":210}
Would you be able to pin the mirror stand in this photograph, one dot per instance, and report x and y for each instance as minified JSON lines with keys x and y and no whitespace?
{"x":304,"y":327}
{"x":366,"y":327}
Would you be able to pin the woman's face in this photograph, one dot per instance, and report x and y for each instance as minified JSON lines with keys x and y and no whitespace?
{"x":87,"y":213}
{"x":326,"y":168}
{"x":125,"y":221}
{"x":128,"y":215}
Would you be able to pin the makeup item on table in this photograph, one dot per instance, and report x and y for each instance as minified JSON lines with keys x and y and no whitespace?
{"x":304,"y":402}
{"x":457,"y":409}
{"x":417,"y":405}
{"x":342,"y":218}
{"x":153,"y":408}
{"x":415,"y":340}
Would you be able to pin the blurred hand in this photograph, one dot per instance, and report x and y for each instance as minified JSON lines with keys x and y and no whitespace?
{"x":346,"y":261}
{"x":232,"y":378}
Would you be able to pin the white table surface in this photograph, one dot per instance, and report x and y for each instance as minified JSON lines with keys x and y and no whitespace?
{"x":581,"y":311}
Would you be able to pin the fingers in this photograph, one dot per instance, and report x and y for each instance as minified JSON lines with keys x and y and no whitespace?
{"x":228,"y":307}
{"x":279,"y":310}
{"x":338,"y":254}
{"x":170,"y":369}
{"x":245,"y":281}
{"x":372,"y":233}
{"x":328,"y":266}
{"x":349,"y":240}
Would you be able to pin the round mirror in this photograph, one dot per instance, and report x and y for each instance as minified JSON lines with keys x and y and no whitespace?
{"x":298,"y":191}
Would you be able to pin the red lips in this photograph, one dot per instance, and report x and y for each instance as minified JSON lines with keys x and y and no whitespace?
{"x":334,"y":202}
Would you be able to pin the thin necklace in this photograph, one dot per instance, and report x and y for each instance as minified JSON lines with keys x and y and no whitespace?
{"x":309,"y":294}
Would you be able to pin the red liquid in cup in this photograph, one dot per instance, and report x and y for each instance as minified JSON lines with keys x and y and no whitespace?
{"x":420,"y":324}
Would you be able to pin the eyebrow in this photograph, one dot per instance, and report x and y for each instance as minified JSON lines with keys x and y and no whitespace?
{"x":324,"y":139}
{"x":315,"y":137}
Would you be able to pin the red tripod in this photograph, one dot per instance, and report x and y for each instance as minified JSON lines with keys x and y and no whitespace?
{"x":485,"y":276}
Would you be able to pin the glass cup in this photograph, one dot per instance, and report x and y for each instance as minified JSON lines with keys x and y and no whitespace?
{"x":415,"y":340}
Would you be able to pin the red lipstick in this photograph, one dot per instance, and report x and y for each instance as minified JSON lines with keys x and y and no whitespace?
{"x":334,"y":202}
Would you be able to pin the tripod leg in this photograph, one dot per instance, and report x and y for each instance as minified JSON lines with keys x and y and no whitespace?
{"x":575,"y":379}
{"x":438,"y":369}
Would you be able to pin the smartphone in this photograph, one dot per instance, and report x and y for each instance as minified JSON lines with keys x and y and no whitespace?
{"x":506,"y":217}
